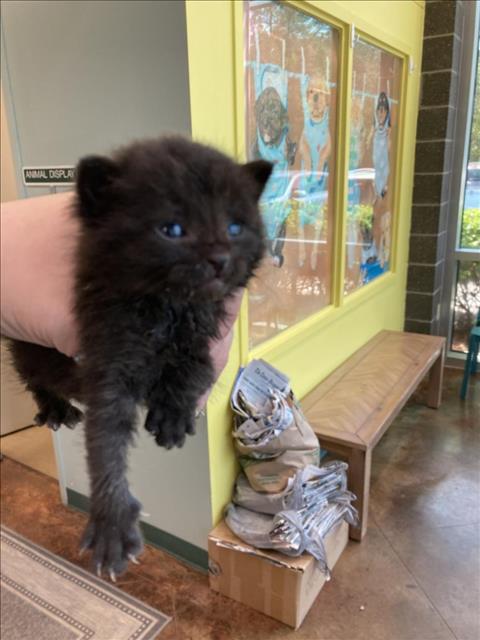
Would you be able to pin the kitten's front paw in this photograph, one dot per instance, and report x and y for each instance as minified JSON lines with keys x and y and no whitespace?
{"x":114,"y":540}
{"x":169,"y":428}
{"x":58,"y":413}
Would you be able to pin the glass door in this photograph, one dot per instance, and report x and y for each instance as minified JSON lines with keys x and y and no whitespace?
{"x":462,"y":290}
{"x":467,"y":251}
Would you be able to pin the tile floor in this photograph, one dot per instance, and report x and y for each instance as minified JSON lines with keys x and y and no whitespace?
{"x":416,"y":575}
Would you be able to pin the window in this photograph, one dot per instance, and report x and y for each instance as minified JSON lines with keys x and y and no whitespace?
{"x":291,"y":112}
{"x":467,"y":252}
{"x":374,"y":118}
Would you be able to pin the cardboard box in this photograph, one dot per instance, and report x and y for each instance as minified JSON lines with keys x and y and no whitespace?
{"x":273,"y":583}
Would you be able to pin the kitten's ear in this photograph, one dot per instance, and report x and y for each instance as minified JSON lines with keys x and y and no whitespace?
{"x":95,"y":175}
{"x":260,"y":171}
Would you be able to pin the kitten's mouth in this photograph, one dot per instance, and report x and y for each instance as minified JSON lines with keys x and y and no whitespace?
{"x":214,"y":287}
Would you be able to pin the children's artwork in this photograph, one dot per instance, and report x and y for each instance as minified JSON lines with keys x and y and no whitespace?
{"x":381,"y":147}
{"x":315,"y":148}
{"x":373,"y":139}
{"x":291,"y":76}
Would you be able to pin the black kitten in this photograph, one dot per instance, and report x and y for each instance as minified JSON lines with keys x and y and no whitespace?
{"x":170,"y":229}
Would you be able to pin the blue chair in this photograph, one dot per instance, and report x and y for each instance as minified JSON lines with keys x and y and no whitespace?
{"x":472,"y":356}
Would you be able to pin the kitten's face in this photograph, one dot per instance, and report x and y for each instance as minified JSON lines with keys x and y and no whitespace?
{"x":173,"y":217}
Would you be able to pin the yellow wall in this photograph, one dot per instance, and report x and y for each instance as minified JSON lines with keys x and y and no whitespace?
{"x":313,"y":348}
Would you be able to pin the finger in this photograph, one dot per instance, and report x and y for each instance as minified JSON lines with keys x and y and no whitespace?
{"x":232,"y":308}
{"x":219,"y":352}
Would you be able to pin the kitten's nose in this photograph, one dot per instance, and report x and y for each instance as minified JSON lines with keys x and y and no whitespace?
{"x":219,"y":262}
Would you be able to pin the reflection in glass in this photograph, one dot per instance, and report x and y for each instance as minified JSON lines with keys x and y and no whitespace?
{"x":467,"y":291}
{"x":467,"y":303}
{"x":373,"y":140}
{"x":291,"y":84}
{"x":470,"y":229}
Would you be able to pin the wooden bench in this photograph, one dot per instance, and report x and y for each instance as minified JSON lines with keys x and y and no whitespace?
{"x":352,"y":408}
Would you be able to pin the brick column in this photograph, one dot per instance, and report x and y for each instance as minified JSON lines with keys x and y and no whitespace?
{"x":433,"y":163}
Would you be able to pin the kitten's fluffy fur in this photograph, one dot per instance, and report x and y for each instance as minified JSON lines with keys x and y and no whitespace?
{"x":147,"y":306}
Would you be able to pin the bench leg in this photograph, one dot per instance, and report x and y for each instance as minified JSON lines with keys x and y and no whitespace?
{"x":435,"y":383}
{"x":359,"y":468}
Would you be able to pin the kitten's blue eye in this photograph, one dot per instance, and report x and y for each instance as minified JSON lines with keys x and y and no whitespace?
{"x":235,"y":229}
{"x":173,"y":230}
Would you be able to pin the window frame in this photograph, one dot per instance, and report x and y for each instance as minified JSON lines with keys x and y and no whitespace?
{"x":463,"y":125}
{"x":341,"y":304}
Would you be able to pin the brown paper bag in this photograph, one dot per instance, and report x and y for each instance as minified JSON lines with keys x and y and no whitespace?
{"x":299,"y":436}
{"x":271,"y":476}
{"x":269,"y":465}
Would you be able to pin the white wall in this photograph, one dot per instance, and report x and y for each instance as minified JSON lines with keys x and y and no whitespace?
{"x":85,"y":76}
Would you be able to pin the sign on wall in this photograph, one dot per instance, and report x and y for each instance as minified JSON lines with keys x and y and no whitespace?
{"x":48,"y":176}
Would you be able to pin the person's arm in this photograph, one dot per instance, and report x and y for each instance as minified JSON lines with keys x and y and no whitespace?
{"x":38,"y":240}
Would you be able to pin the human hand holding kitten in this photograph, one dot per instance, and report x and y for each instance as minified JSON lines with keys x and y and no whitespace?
{"x":141,"y":275}
{"x":38,"y":240}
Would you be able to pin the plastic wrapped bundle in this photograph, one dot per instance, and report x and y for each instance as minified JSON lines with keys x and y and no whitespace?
{"x":309,"y":486}
{"x":285,"y":427}
{"x":266,"y":423}
{"x":272,"y":448}
{"x":293,"y":532}
{"x":253,"y":528}
{"x":283,"y":500}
